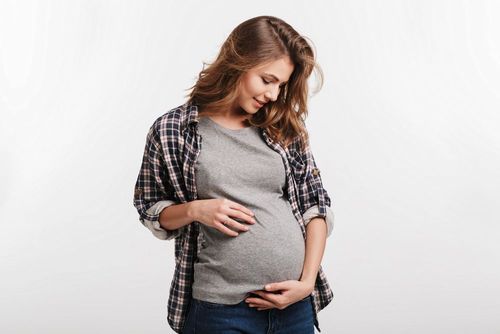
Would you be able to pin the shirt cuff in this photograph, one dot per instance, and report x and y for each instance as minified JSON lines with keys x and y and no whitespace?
{"x":313,"y":212}
{"x":154,"y":225}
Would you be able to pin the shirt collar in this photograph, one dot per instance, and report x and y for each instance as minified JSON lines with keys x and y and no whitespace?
{"x":192,"y":114}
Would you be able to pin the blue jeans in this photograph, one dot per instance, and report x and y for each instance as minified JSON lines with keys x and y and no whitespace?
{"x":210,"y":318}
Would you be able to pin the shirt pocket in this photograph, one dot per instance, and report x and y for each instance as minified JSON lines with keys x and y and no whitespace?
{"x":300,"y":169}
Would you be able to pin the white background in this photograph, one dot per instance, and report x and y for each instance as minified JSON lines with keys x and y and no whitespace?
{"x":405,"y":132}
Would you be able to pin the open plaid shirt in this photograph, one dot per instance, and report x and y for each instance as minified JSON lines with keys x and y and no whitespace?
{"x":167,"y":176}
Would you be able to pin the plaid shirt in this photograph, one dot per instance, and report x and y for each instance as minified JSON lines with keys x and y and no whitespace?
{"x":167,"y":173}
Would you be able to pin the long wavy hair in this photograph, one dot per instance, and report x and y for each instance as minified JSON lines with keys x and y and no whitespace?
{"x":257,"y":41}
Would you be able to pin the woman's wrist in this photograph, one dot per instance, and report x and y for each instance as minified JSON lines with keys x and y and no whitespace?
{"x":177,"y":216}
{"x":309,"y":282}
{"x":193,"y":209}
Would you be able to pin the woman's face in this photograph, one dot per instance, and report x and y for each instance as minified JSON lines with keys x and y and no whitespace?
{"x":263,"y":83}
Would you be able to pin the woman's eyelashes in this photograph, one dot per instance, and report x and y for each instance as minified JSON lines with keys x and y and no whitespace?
{"x":268,"y":82}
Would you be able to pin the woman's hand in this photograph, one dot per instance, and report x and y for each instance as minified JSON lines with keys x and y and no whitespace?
{"x":280,"y":294}
{"x":217,"y":214}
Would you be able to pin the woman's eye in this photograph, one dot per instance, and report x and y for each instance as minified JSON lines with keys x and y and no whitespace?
{"x":265,"y":81}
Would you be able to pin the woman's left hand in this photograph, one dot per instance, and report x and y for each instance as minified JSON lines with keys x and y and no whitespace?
{"x":280,"y":294}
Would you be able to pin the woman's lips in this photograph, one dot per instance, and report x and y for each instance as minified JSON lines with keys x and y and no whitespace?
{"x":259,"y":103}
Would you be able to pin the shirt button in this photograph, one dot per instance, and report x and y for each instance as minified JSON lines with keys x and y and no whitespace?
{"x":315,"y":171}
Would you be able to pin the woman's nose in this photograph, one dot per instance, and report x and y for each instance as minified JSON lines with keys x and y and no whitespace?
{"x":272,"y":94}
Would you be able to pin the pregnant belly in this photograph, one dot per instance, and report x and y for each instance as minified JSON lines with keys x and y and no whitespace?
{"x":256,"y":257}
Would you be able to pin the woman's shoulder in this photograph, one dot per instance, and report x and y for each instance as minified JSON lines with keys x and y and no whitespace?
{"x":173,"y":122}
{"x":168,"y":129}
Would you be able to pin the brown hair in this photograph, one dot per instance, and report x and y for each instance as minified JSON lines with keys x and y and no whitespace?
{"x":254,"y":42}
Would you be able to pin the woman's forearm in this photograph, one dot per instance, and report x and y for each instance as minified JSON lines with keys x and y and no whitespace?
{"x":178,"y":215}
{"x":316,"y":231}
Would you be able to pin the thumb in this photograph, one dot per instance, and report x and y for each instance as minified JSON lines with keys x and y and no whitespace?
{"x":276,"y":286}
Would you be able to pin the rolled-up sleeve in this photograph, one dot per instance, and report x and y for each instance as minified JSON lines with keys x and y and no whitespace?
{"x":313,"y":212}
{"x":154,"y":225}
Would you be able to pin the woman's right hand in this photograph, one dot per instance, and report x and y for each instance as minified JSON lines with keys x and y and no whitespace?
{"x":214,"y":212}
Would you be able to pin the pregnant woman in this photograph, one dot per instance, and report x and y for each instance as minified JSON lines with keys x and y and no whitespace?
{"x":230,"y":176}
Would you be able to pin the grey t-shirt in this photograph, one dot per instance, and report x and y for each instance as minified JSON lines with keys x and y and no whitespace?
{"x":238,"y":165}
